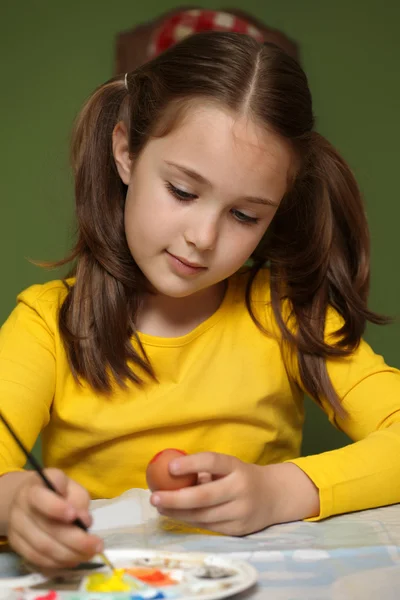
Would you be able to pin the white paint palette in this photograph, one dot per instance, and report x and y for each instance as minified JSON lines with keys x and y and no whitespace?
{"x":142,"y":574}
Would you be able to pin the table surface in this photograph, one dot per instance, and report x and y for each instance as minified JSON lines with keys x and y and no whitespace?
{"x":349,"y":557}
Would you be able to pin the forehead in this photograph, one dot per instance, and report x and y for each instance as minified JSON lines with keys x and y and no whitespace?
{"x":215,"y":140}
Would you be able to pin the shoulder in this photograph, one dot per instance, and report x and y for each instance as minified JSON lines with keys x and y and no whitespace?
{"x":47,"y":295}
{"x":261,"y":303}
{"x":44,"y":299}
{"x":34,"y":321}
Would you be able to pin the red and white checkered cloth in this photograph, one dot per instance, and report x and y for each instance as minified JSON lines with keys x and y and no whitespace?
{"x":188,"y":22}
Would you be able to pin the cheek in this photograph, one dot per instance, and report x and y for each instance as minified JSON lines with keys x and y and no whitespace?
{"x":147,"y":227}
{"x":243,"y":242}
{"x":135,"y":228}
{"x":149,"y":208}
{"x":233,"y":254}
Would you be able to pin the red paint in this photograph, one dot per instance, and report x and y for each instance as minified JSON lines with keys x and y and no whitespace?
{"x":52,"y":595}
{"x":152,"y":576}
{"x":162,"y":452}
{"x":158,"y":476}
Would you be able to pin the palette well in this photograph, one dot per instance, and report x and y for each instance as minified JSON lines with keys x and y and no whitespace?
{"x":143,"y":574}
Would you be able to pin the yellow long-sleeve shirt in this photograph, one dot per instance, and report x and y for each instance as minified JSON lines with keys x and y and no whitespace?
{"x":222,"y":387}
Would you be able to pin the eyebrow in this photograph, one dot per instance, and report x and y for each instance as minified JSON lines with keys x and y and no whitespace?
{"x":200,"y":179}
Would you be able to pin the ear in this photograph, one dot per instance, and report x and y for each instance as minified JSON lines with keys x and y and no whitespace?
{"x":120,"y":147}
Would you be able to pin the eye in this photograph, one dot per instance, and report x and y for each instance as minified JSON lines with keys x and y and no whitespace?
{"x":180,"y":194}
{"x":243,"y":218}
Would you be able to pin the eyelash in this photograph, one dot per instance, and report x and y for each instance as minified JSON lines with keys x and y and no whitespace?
{"x":182,"y":196}
{"x":244,"y":219}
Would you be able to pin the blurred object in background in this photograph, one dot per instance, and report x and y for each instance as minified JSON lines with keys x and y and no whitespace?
{"x":136,"y":46}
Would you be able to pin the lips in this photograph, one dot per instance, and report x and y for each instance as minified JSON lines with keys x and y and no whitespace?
{"x":187,"y":262}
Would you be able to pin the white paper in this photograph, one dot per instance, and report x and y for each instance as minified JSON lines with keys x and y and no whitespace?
{"x":128,"y":510}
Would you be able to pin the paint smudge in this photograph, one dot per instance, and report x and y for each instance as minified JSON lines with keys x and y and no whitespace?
{"x":52,"y":595}
{"x":152,"y":576}
{"x":213,"y":572}
{"x":102,"y":582}
{"x":156,"y":596}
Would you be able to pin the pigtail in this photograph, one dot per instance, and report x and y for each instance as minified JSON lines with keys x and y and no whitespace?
{"x":319,"y":252}
{"x":97,"y":318}
{"x":347,"y":253}
{"x":343,"y":271}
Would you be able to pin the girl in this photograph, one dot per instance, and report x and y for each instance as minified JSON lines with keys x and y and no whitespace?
{"x":200,"y":161}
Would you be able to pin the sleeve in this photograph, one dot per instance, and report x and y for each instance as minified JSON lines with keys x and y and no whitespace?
{"x":366,"y":473}
{"x":27,"y":377}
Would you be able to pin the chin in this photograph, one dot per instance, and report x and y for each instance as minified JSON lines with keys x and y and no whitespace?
{"x":173,"y":291}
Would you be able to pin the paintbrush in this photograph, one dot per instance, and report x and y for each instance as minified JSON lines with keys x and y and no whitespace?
{"x":35,"y":464}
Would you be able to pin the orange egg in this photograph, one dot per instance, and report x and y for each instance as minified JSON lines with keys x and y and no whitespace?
{"x":158,"y":476}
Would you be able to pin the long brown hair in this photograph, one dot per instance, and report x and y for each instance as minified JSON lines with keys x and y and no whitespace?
{"x":317,"y":245}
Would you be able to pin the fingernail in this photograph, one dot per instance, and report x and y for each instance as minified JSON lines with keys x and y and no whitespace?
{"x":174,"y":467}
{"x":84,"y":516}
{"x":155,"y":500}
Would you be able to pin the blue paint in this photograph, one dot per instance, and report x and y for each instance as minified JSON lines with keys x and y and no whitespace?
{"x":156,"y":596}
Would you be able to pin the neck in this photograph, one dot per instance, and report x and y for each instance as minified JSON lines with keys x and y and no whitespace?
{"x":163,"y":316}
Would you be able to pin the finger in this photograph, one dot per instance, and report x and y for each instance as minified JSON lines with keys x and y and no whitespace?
{"x":208,"y":462}
{"x":209,"y":494}
{"x":203,"y":517}
{"x":30,"y":554}
{"x":78,"y":495}
{"x":232,"y":528}
{"x":203,"y":478}
{"x":79,"y":498}
{"x":75,"y":494}
{"x":46,"y":503}
{"x":25,"y":521}
{"x":86,"y":518}
{"x":65,"y":544}
{"x":74,"y":503}
{"x":48,"y":553}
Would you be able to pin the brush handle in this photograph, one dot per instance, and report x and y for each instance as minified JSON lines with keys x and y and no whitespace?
{"x":36,"y":465}
{"x":80,"y":524}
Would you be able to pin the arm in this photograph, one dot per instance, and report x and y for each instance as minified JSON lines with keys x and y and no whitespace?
{"x":239,"y":498}
{"x":36,"y":521}
{"x":27,"y":383}
{"x":365,"y":474}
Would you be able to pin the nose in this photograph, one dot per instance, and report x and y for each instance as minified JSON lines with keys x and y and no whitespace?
{"x":202,"y":231}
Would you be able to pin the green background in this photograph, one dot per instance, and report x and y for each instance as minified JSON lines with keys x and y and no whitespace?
{"x":53,"y":53}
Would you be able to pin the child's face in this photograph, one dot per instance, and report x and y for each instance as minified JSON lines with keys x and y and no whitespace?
{"x":201,"y":198}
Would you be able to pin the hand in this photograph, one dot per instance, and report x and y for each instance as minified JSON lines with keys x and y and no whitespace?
{"x":237,"y":498}
{"x":233,"y":497}
{"x":40,"y":522}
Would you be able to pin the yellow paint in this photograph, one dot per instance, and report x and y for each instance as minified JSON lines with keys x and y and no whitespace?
{"x":102,"y":582}
{"x":172,"y":525}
